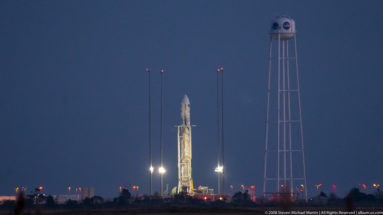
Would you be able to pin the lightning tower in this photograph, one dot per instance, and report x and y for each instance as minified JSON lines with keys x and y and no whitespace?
{"x":185,"y":181}
{"x":151,"y":169}
{"x":220,"y":135}
{"x":284,"y":159}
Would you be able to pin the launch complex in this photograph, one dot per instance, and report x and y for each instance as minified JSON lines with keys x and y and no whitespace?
{"x":284,"y":159}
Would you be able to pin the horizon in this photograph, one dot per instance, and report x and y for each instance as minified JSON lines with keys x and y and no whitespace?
{"x":73,"y":90}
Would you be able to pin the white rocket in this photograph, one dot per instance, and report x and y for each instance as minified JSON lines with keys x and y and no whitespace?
{"x":185,"y":110}
{"x":185,"y":181}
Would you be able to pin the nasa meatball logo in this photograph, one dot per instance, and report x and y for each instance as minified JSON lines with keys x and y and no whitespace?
{"x":286,"y":25}
{"x":275,"y":26}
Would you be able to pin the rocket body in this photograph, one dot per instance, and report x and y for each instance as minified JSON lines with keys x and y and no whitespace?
{"x":185,"y":110}
{"x":185,"y":181}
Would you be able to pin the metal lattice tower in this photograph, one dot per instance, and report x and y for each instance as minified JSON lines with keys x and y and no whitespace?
{"x":284,"y":160}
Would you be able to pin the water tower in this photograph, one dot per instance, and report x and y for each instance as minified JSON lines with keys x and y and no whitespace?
{"x":284,"y":160}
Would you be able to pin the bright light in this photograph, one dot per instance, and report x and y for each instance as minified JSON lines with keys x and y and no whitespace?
{"x":318,"y":186}
{"x":162,"y":170}
{"x":219,"y":169}
{"x":151,"y":169}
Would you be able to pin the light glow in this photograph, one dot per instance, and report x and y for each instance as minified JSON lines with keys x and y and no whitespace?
{"x":162,"y":170}
{"x":151,"y":169}
{"x":318,"y":186}
{"x":219,"y":169}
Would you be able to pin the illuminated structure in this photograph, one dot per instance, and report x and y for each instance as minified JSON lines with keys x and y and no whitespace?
{"x":284,"y":164}
{"x":161,"y":169}
{"x":185,"y":181}
{"x":220,"y":135}
{"x":151,"y":168}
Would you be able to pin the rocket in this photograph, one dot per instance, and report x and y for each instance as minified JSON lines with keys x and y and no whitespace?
{"x":185,"y":181}
{"x":185,"y":110}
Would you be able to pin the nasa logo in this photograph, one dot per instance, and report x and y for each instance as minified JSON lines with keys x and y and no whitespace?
{"x":275,"y":26}
{"x":286,"y":25}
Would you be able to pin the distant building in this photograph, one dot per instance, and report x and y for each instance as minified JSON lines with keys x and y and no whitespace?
{"x":7,"y":198}
{"x":87,"y":192}
{"x":80,"y":194}
{"x":62,"y":199}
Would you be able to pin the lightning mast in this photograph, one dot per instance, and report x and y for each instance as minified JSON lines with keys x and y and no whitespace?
{"x":161,"y":170}
{"x":220,"y":135}
{"x":151,"y":169}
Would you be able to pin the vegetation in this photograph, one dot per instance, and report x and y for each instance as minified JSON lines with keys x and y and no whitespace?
{"x":354,"y":199}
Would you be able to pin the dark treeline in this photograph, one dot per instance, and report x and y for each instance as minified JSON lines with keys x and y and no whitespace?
{"x":354,"y":199}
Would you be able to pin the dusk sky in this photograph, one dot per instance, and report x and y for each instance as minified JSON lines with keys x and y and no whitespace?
{"x":73,"y":106}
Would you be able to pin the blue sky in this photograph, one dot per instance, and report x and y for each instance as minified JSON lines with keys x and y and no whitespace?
{"x":72,"y":89}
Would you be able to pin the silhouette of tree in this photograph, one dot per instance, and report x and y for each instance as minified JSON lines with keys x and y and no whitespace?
{"x":242,"y":198}
{"x":125,"y":194}
{"x":124,"y":197}
{"x":322,"y":194}
{"x":360,"y":198}
{"x":87,"y":202}
{"x":97,"y":200}
{"x":8,"y":204}
{"x":50,"y":202}
{"x":71,"y":204}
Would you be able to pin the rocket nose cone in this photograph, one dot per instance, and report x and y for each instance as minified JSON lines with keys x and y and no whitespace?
{"x":185,"y":100}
